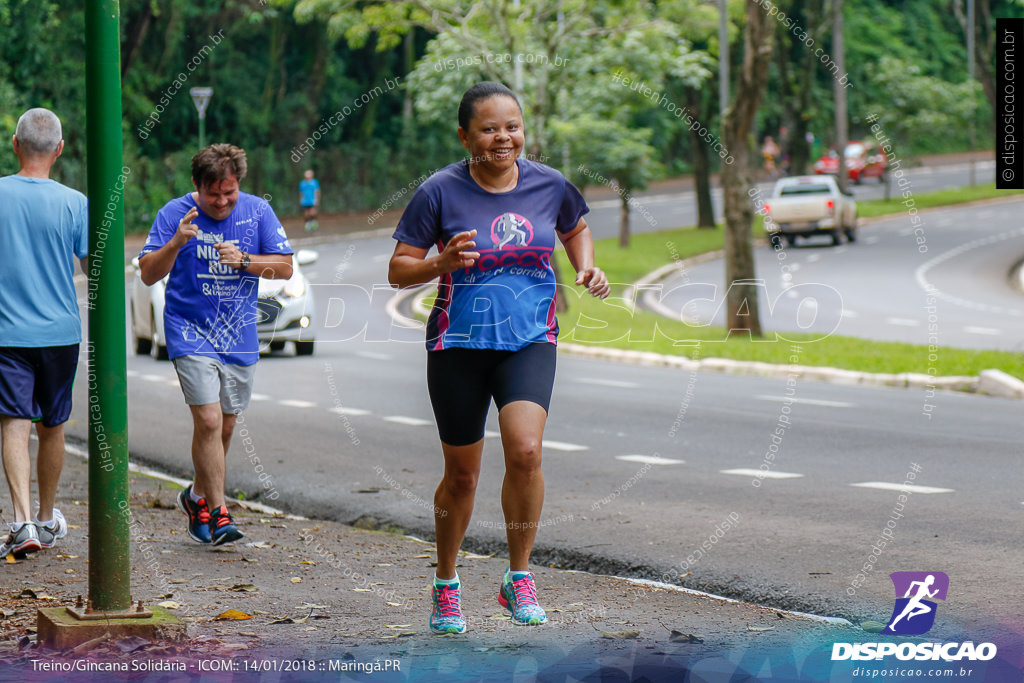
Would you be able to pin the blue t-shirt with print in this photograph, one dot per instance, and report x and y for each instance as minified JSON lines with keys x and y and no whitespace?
{"x":210,"y":309}
{"x":506,"y":300}
{"x":43,"y":227}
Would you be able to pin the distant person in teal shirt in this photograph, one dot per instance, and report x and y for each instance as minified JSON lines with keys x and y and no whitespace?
{"x":43,"y":227}
{"x":309,"y":197}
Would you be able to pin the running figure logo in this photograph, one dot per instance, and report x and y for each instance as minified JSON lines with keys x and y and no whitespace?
{"x":914,"y":613}
{"x":511,"y":228}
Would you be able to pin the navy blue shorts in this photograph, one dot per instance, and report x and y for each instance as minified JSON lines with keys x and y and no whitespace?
{"x":461,"y":383}
{"x":36,"y":382}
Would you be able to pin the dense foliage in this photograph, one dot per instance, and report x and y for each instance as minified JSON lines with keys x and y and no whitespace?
{"x":366,"y":92}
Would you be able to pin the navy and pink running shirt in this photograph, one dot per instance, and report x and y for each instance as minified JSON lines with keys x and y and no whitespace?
{"x":506,"y":300}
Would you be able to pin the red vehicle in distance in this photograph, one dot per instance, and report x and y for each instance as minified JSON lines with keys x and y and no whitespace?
{"x":863,"y":160}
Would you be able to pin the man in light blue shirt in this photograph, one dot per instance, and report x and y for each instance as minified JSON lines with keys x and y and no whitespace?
{"x":309,"y":197}
{"x":43,"y":227}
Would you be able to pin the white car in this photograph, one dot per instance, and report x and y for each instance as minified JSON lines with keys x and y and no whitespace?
{"x":285,"y":309}
{"x":802,"y":206}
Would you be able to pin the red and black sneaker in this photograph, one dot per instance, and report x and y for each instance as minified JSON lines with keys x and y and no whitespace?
{"x":198,"y":516}
{"x":222,"y":527}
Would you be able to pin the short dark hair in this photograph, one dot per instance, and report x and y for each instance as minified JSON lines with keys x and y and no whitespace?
{"x":482,"y":91}
{"x":218,"y":161}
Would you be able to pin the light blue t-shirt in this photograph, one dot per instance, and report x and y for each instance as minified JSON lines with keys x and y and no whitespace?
{"x":210,"y":309}
{"x":43,"y":227}
{"x":307,"y":191}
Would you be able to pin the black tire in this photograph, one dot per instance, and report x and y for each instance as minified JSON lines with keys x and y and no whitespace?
{"x":791,"y":240}
{"x":304,"y":348}
{"x":277,"y":346}
{"x":774,"y":240}
{"x":837,"y":237}
{"x":143,"y":346}
{"x":159,"y":350}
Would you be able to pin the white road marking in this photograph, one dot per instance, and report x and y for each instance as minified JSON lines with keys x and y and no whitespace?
{"x":259,"y":397}
{"x":342,"y":410}
{"x":849,"y":314}
{"x":902,"y":322}
{"x":293,"y":403}
{"x":649,"y":459}
{"x":373,"y":356}
{"x":131,"y":373}
{"x":153,"y":378}
{"x":403,"y":420}
{"x":489,"y":434}
{"x":562,"y":446}
{"x":814,"y":258}
{"x":872,"y":240}
{"x":807,"y":401}
{"x":911,"y":488}
{"x":609,"y":383}
{"x":982,"y":330}
{"x":762,"y":474}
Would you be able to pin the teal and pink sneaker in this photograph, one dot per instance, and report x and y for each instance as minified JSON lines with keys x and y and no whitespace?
{"x":518,"y":595}
{"x":446,"y":615}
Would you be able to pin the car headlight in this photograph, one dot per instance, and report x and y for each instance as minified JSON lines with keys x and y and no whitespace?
{"x":295,"y":288}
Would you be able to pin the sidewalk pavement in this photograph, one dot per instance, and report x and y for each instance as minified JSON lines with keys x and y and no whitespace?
{"x":323,"y":596}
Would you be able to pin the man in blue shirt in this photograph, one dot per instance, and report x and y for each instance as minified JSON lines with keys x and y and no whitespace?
{"x":215,"y":243}
{"x":309,"y":198}
{"x":43,"y":227}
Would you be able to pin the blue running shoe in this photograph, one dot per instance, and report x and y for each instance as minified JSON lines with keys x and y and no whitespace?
{"x":519,"y":596}
{"x":198,"y":515}
{"x":223,"y":527}
{"x":446,"y":616}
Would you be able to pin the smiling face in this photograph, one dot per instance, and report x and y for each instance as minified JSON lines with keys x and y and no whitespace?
{"x":217,"y":199}
{"x":495,"y":137}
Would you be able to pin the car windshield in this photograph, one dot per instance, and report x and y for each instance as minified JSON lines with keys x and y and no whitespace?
{"x":805,"y":189}
{"x":854,"y":149}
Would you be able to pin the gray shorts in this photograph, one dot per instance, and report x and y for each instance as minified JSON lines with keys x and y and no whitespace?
{"x":206,"y":380}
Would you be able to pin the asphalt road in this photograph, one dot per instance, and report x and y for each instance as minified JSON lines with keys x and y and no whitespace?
{"x":639,"y":462}
{"x":653,"y":211}
{"x":945,"y":282}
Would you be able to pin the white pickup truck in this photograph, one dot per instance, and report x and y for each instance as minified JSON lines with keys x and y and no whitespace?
{"x":806,"y":205}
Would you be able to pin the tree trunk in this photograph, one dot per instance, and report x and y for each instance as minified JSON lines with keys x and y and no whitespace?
{"x":842,"y":121}
{"x":135,"y":34}
{"x":701,"y":161}
{"x":741,"y":295}
{"x":624,"y":219}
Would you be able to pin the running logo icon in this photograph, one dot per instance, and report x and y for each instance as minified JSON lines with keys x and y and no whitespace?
{"x":511,"y":228}
{"x":914,"y":612}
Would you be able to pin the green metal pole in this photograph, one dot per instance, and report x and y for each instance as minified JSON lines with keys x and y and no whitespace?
{"x":109,"y":562}
{"x":202,"y":132}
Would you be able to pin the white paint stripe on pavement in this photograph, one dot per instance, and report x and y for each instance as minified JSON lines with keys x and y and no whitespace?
{"x":910,"y":488}
{"x":259,"y":397}
{"x":761,"y":474}
{"x":903,"y":322}
{"x":488,"y":434}
{"x":342,"y":410}
{"x":403,"y":420}
{"x":294,"y":403}
{"x":153,"y":378}
{"x":608,"y":383}
{"x":131,"y":373}
{"x":970,"y":329}
{"x":373,"y":356}
{"x":649,"y":459}
{"x":806,"y":401}
{"x":562,"y":446}
{"x":848,"y":313}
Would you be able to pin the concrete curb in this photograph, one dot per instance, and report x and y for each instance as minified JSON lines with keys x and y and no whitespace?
{"x":998,"y":383}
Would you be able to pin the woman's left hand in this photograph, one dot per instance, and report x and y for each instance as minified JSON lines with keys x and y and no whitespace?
{"x":595,"y":281}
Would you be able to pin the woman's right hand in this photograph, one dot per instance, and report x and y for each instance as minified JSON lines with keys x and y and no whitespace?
{"x":456,"y":254}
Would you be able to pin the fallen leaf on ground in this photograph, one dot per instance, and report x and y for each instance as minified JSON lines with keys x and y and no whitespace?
{"x":678,"y":637}
{"x":307,"y":562}
{"x":90,"y":644}
{"x":232,"y":615}
{"x":397,"y":625}
{"x":394,"y":604}
{"x":421,"y":557}
{"x":177,"y":581}
{"x":283,"y":620}
{"x":629,"y":634}
{"x":244,"y":588}
{"x":471,"y":556}
{"x":259,"y":544}
{"x":130,"y":643}
{"x":296,"y":579}
{"x":362,"y":590}
{"x":760,"y":628}
{"x":168,"y":604}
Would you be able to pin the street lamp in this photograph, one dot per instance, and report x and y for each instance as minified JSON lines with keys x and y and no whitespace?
{"x":201,"y":98}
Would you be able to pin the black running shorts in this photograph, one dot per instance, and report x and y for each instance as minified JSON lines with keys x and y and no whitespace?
{"x":462,"y":382}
